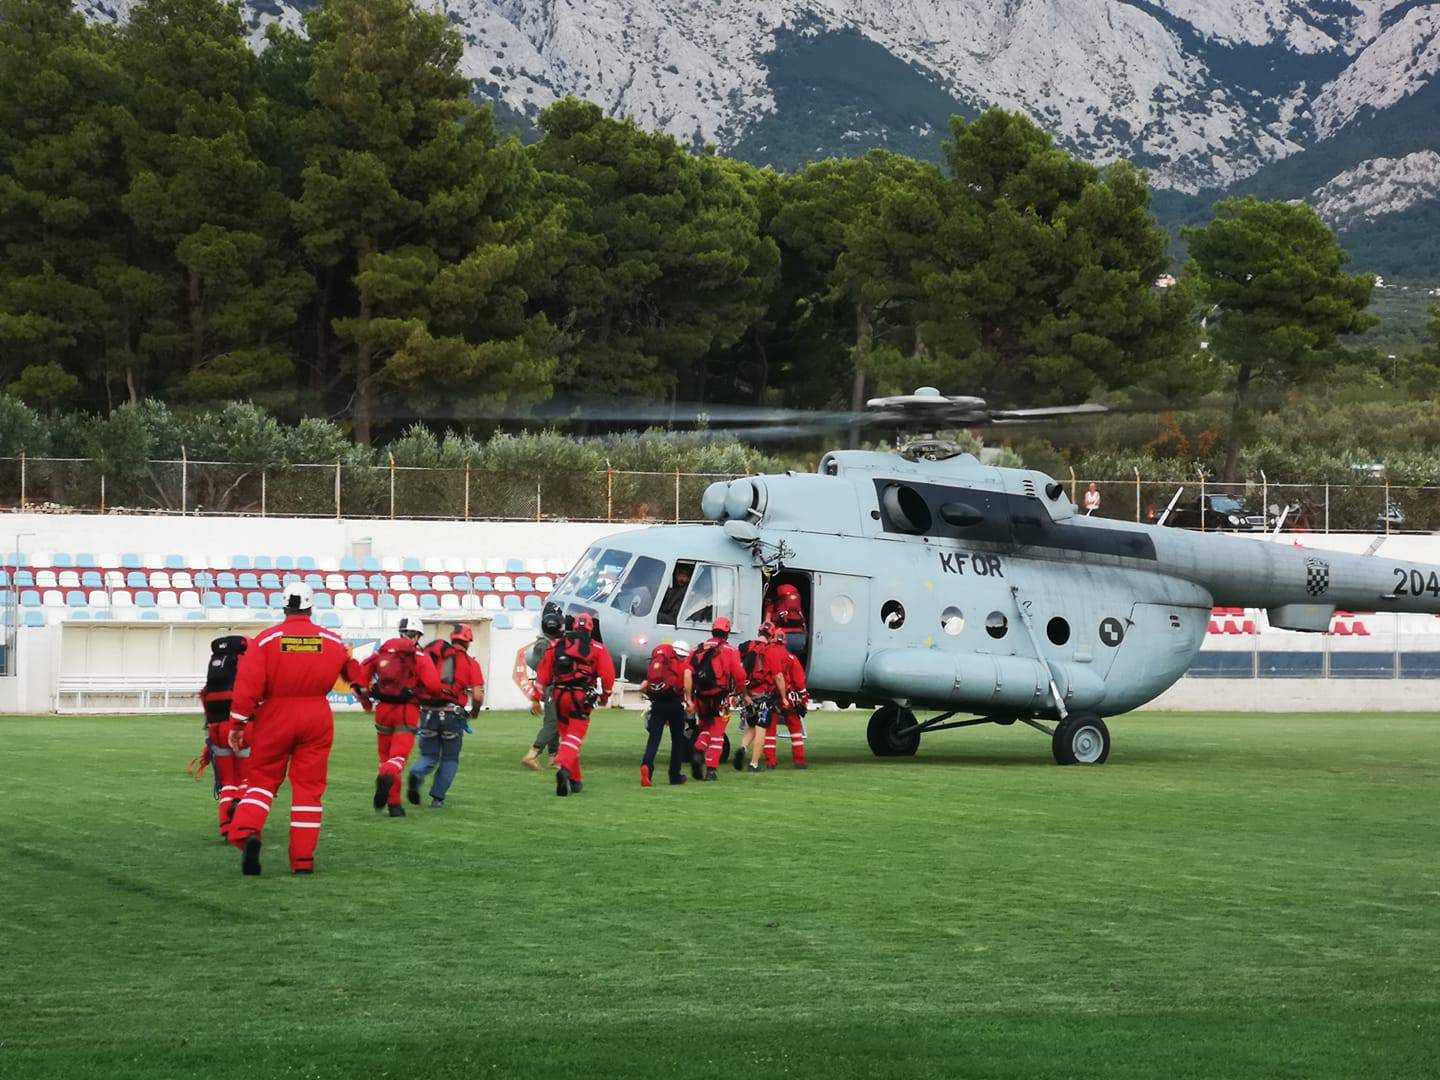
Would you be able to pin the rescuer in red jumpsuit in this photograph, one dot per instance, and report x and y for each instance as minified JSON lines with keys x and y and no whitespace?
{"x":281,"y":710}
{"x":225,"y":654}
{"x":793,"y":707}
{"x":397,"y":675}
{"x":786,"y":611}
{"x":581,"y":671}
{"x":715,"y":672}
{"x":765,"y":671}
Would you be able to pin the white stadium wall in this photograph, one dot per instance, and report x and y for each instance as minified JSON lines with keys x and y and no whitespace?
{"x":86,"y":643}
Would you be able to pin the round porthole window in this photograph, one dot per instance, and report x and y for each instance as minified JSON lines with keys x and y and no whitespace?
{"x":952,"y":620}
{"x":842,"y":609}
{"x":892,"y":614}
{"x":1057,"y":630}
{"x":996,"y":624}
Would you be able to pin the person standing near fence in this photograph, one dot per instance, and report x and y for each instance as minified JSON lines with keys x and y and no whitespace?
{"x":1092,"y":499}
{"x":281,"y":711}
{"x":444,"y":719}
{"x":552,"y":625}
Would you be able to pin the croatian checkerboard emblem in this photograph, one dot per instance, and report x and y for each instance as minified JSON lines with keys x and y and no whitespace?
{"x":1112,"y":632}
{"x":1317,"y":576}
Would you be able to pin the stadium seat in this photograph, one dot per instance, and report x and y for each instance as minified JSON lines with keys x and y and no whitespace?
{"x":365,"y":602}
{"x":130,"y":561}
{"x":270,"y":582}
{"x":198,"y":616}
{"x":150,"y":616}
{"x":114,"y":579}
{"x":514,"y":566}
{"x":429,"y":602}
{"x":512,"y":602}
{"x":503,"y":583}
{"x":355,"y":582}
{"x":349,"y":564}
{"x":160,"y":579}
{"x":91,"y":579}
{"x":494,"y":566}
{"x":75,"y":598}
{"x":30,"y":598}
{"x":323,"y":601}
{"x":175,"y":562}
{"x":4,"y":579}
{"x":534,"y":566}
{"x":454,"y":565}
{"x":371,"y":620}
{"x":62,"y":560}
{"x":40,"y":559}
{"x":240,"y":562}
{"x":284,"y":562}
{"x":204,"y":579}
{"x":557,"y":567}
{"x":98,"y":598}
{"x":470,"y":602}
{"x":433,"y":564}
{"x":390,"y":564}
{"x":502,"y":622}
{"x":305,"y":563}
{"x":34,"y":619}
{"x":330,"y":619}
{"x":248,"y":581}
{"x":85,"y":561}
{"x":104,"y":613}
{"x":277,"y":600}
{"x":524,"y":584}
{"x":76,"y":615}
{"x":226,"y":580}
{"x":345,"y":601}
{"x":181,"y":579}
{"x":327,"y":564}
{"x":409,"y":602}
{"x":399,"y":583}
{"x":315,"y":581}
{"x":474,"y":564}
{"x":264,"y":562}
{"x":137,"y":579}
{"x":420,"y":582}
{"x":210,"y":600}
{"x":483,"y":583}
{"x":52,"y":598}
{"x":387,"y":602}
{"x":167,"y":599}
{"x":145,"y":599}
{"x":450,"y":602}
{"x":257,"y":600}
{"x":25,"y":579}
{"x":234,"y":600}
{"x":68,"y":579}
{"x":370,"y":565}
{"x":491,"y":602}
{"x":545,"y":584}
{"x":533,"y":602}
{"x":411,"y":565}
{"x":335,"y":582}
{"x":44,"y":579}
{"x":462,"y":583}
{"x":287,"y":578}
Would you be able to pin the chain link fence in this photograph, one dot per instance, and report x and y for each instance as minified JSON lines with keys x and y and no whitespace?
{"x":465,"y":494}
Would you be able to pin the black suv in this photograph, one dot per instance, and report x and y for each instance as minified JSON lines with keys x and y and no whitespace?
{"x":1221,"y":512}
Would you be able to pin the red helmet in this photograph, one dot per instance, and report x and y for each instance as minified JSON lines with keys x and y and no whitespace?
{"x":584,"y":623}
{"x":721,"y":626}
{"x":767,"y":630}
{"x":788,"y":592}
{"x":462,"y":633}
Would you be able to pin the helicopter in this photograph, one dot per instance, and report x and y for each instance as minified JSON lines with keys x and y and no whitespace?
{"x":933,"y":582}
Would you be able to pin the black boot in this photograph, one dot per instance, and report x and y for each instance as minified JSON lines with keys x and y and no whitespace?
{"x":412,"y":789}
{"x":710,"y":775}
{"x":697,"y":764}
{"x":562,"y":782}
{"x":382,"y":790}
{"x":576,"y":786}
{"x":250,"y":856}
{"x":396,"y":810}
{"x":739,"y":758}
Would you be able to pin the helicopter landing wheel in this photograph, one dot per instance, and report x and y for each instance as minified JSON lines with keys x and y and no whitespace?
{"x":1081,"y":739}
{"x":882,"y":732}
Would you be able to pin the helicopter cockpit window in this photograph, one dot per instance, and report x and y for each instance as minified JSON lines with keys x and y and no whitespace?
{"x":638,"y":590}
{"x":596,"y":576}
{"x":712,"y":594}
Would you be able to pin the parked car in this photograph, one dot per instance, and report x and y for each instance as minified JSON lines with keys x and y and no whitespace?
{"x":1216,"y":512}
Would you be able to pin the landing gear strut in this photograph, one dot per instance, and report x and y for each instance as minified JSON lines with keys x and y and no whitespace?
{"x":1079,"y":739}
{"x":892,"y":732}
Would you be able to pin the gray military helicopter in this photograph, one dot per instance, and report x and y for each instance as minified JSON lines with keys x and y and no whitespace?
{"x":933,"y":582}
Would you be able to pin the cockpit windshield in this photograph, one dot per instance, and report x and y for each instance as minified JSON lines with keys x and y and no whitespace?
{"x":638,"y":590}
{"x":595,"y":576}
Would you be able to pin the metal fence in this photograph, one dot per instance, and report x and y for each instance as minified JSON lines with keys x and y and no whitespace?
{"x":467,"y":494}
{"x":84,"y":485}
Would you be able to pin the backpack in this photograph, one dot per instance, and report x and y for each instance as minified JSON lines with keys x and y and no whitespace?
{"x":706,"y":681}
{"x":752,"y":659}
{"x":225,"y":653}
{"x":664,"y":673}
{"x":574,"y":660}
{"x":394,"y":675}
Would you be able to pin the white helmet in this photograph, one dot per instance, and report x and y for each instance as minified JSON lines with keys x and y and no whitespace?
{"x":409,"y":624}
{"x":682,"y":648}
{"x":299,"y":596}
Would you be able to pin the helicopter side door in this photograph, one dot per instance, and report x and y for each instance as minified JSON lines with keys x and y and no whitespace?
{"x":839,"y":632}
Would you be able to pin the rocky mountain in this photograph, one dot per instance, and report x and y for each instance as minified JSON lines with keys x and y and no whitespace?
{"x":1210,"y":95}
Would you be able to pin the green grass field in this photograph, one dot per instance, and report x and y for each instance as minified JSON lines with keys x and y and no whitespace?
{"x":1229,"y":896}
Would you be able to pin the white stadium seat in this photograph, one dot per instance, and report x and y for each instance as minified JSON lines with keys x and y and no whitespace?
{"x":491,"y":602}
{"x":495,"y":566}
{"x":107,"y":558}
{"x":334,"y":582}
{"x":434,"y":565}
{"x":408,"y":602}
{"x":558,"y":567}
{"x":52,"y":598}
{"x":470,"y":602}
{"x":188,"y":599}
{"x":181,"y":579}
{"x":399,"y":583}
{"x":544,"y":584}
{"x":449,"y":602}
{"x":152,"y":561}
{"x":169,"y":600}
{"x":99,"y":598}
{"x":45,"y":579}
{"x":68,"y":579}
{"x":344,"y":601}
{"x":534,"y":566}
{"x":441,"y":583}
{"x":391,"y":564}
{"x":474,"y":564}
{"x":504,"y":584}
{"x":121,"y":598}
{"x":454,"y":565}
{"x":327,"y":564}
{"x":114,"y":579}
{"x":160,"y":579}
{"x":41,"y":558}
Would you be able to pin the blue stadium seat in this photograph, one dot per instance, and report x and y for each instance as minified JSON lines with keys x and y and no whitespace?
{"x":420,"y":582}
{"x":365,"y":602}
{"x":91,"y":579}
{"x":264,"y":562}
{"x":204,"y":579}
{"x":269,"y":582}
{"x":315,"y":581}
{"x":85,"y":561}
{"x":75,"y":598}
{"x":234,"y":600}
{"x":462,"y":583}
{"x":11,"y":558}
{"x":144,"y":599}
{"x":284,"y":562}
{"x":349,"y":564}
{"x":174,"y":562}
{"x":502,"y":622}
{"x":305,"y":562}
{"x":257,"y":600}
{"x":29,"y":598}
{"x":240,"y":562}
{"x":153,"y":616}
{"x":355,"y":582}
{"x":4,"y":579}
{"x":483,"y":583}
{"x":429,"y":602}
{"x":136,"y":579}
{"x":524,"y":584}
{"x":76,"y":615}
{"x":25,"y":579}
{"x":533,"y":602}
{"x":411,"y":566}
{"x":512,"y":602}
{"x":195,"y":616}
{"x":514,"y":566}
{"x":226,"y":580}
{"x":103,"y":614}
{"x":62,"y":560}
{"x":277,"y":600}
{"x":330,"y":619}
{"x":378,"y":583}
{"x":248,"y":581}
{"x":370,"y":564}
{"x":387,"y":601}
{"x":34,"y":618}
{"x":288,"y":578}
{"x":130,"y":561}
{"x":323,"y":601}
{"x":211,"y":600}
